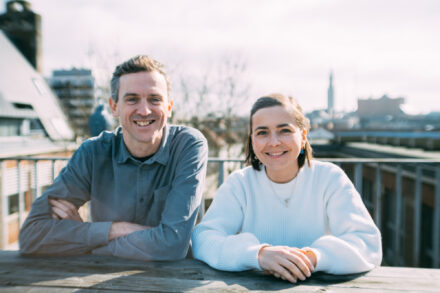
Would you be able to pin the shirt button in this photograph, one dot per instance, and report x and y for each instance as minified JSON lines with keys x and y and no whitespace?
{"x":141,"y":200}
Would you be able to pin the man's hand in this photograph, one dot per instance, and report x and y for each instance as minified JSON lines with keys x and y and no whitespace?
{"x":288,"y":263}
{"x":62,"y":209}
{"x":119,"y":229}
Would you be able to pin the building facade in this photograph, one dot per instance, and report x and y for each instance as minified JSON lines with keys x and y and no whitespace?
{"x":75,"y":89}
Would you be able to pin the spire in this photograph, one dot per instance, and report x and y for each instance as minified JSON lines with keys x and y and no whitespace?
{"x":330,"y":95}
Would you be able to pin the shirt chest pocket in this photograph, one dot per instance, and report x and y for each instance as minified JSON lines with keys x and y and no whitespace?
{"x":156,"y":205}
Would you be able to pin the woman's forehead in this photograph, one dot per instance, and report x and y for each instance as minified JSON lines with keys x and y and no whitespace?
{"x":273,"y":116}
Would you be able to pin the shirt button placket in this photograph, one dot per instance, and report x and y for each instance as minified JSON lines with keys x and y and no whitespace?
{"x":139,"y":198}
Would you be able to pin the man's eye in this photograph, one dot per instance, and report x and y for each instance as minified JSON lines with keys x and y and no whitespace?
{"x":130,"y":100}
{"x":156,"y":100}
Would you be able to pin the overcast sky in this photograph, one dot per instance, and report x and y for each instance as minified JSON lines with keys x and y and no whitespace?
{"x":373,"y":47}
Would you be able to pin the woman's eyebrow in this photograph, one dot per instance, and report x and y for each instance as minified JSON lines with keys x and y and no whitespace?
{"x":261,"y":127}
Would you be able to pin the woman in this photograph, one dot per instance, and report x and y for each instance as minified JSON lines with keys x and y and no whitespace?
{"x":286,"y":214}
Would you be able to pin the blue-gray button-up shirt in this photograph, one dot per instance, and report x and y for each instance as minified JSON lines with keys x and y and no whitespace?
{"x":163,"y":192}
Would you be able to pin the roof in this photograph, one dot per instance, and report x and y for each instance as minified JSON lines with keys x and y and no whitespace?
{"x":24,"y":93}
{"x":28,"y":146}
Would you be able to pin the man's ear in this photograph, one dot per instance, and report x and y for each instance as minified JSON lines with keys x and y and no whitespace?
{"x":170,"y":108}
{"x":113,"y":105}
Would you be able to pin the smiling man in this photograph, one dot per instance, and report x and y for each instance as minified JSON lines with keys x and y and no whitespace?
{"x":144,"y":181}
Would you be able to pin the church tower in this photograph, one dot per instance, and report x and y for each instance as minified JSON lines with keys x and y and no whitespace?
{"x":330,"y":96}
{"x":22,"y":26}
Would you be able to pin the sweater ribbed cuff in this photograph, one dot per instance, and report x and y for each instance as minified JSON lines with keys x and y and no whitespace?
{"x":257,"y":249}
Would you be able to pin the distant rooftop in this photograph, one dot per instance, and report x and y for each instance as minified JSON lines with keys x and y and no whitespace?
{"x":25,"y":94}
{"x":72,"y":72}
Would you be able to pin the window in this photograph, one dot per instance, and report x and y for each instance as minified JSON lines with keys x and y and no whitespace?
{"x":13,"y":204}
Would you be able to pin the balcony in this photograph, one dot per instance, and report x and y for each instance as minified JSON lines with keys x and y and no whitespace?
{"x":402,"y":196}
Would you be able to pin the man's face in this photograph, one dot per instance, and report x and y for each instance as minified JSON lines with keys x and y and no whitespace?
{"x":143,"y":108}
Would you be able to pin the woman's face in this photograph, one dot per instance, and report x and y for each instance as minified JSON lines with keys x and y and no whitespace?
{"x":277,"y":142}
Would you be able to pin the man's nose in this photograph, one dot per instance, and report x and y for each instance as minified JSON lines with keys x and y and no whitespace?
{"x":144,"y":108}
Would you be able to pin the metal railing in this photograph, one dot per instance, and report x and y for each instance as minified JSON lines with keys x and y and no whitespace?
{"x":423,"y":174}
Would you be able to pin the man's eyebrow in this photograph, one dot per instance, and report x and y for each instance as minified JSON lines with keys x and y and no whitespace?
{"x":130,"y":94}
{"x":283,"y":125}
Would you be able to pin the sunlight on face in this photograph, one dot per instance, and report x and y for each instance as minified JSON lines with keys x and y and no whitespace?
{"x":277,"y":142}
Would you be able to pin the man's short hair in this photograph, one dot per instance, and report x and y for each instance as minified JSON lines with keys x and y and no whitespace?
{"x":137,"y":64}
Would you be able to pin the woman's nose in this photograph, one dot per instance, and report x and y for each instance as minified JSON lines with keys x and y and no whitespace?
{"x":274,"y":139}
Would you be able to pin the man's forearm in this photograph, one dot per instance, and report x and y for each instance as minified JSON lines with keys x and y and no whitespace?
{"x":41,"y":234}
{"x":119,"y":229}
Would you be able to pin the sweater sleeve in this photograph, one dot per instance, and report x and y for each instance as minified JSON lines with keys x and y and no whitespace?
{"x":217,"y":239}
{"x":353,"y":243}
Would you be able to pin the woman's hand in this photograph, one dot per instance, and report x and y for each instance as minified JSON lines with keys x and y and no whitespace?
{"x":287,"y":263}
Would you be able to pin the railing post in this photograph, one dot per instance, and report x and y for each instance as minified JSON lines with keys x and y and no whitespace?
{"x":378,"y":209}
{"x":52,"y":169}
{"x":37,"y":193}
{"x":398,"y":214}
{"x":417,"y":215}
{"x":358,"y":177}
{"x":20,"y":195}
{"x":221,"y":172}
{"x":3,"y":210}
{"x":436,"y":222}
{"x":201,"y":209}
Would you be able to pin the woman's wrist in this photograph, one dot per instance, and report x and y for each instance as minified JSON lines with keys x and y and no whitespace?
{"x":311,"y":255}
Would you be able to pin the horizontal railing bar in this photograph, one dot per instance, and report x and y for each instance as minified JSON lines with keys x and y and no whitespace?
{"x":335,"y":160}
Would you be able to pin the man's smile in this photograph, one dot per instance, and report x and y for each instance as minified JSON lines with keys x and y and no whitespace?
{"x":144,"y":123}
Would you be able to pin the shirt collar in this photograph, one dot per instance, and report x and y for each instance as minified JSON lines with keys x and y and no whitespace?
{"x":161,"y":156}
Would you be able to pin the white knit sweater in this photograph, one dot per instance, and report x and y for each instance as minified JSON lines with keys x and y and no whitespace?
{"x":325,"y":213}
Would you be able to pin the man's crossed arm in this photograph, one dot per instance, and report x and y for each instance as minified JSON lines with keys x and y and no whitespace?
{"x":65,"y":210}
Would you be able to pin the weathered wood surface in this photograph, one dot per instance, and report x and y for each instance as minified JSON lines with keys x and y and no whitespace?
{"x":109,"y":274}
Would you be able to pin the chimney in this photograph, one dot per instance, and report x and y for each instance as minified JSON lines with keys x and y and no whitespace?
{"x":23,"y":28}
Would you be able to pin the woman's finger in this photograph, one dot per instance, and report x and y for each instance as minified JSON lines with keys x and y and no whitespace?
{"x":301,"y":261}
{"x":293,"y":269}
{"x":281,"y":272}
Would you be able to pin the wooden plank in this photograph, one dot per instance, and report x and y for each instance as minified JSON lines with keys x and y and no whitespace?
{"x":23,"y":289}
{"x":119,"y":275}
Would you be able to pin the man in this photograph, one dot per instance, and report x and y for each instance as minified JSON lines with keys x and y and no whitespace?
{"x":144,"y":181}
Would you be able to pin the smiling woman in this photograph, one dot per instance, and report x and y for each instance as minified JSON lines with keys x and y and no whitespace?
{"x":286,"y":214}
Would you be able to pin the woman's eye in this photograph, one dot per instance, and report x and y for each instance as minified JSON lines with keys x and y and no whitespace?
{"x":286,"y":130}
{"x":261,"y":132}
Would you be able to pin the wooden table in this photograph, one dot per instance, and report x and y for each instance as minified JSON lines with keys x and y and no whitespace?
{"x":109,"y":274}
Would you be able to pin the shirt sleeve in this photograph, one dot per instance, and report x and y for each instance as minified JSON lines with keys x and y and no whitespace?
{"x":170,"y":239}
{"x":40,"y":234}
{"x":217,"y":240}
{"x":353,"y":243}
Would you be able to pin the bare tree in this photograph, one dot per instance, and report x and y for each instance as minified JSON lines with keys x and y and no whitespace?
{"x":211,"y":102}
